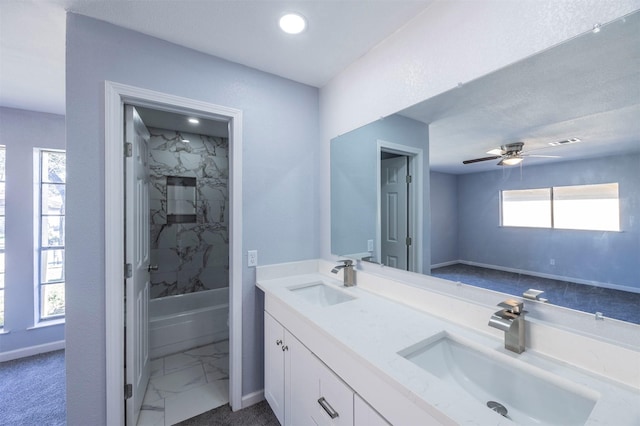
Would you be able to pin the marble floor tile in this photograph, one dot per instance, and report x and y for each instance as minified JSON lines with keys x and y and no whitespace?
{"x":151,"y":396}
{"x":196,"y":401}
{"x":216,"y":369}
{"x":177,"y":362}
{"x":186,"y":384}
{"x":156,"y":367}
{"x":152,"y":414}
{"x":174,"y":383}
{"x":203,"y":354}
{"x":151,"y":402}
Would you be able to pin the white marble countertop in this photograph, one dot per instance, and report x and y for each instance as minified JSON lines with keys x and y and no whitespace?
{"x":376,"y":329}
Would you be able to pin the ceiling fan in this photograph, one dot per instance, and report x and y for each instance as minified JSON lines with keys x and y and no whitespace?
{"x":509,"y":155}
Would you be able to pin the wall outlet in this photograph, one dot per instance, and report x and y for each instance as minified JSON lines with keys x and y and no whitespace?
{"x":552,"y":262}
{"x":252,"y":258}
{"x":369,"y":245}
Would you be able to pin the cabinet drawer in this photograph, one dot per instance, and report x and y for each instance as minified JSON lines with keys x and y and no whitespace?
{"x":335,"y":400}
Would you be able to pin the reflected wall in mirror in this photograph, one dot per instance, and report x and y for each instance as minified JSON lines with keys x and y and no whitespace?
{"x":575,"y":108}
{"x":364,"y":206}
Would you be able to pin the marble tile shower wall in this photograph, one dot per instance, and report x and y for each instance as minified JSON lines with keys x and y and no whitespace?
{"x":190,"y":256}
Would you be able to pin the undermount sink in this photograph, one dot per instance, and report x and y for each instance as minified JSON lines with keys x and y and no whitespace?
{"x":321,"y":294}
{"x":530,"y":396}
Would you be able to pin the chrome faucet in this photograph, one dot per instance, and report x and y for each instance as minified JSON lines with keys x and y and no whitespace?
{"x":510,"y":319}
{"x":349,"y":272}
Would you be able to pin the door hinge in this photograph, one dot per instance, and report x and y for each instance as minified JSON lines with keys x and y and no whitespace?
{"x":128,"y":391}
{"x":128,"y":270}
{"x":128,"y":149}
{"x":408,"y":241}
{"x":408,"y":178}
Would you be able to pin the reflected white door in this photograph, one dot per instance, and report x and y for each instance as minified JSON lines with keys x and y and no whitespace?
{"x":394,"y":214}
{"x":137,"y":241}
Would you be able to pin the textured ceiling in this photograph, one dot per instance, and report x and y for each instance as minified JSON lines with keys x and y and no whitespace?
{"x":587,"y":87}
{"x":243,"y":31}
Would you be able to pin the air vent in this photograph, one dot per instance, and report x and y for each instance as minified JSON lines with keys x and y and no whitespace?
{"x":565,"y":142}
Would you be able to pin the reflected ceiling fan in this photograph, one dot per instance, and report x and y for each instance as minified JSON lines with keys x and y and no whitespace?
{"x":512,"y":154}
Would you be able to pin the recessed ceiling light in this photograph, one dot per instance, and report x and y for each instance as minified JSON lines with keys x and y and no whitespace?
{"x":194,"y":121}
{"x":293,"y":23}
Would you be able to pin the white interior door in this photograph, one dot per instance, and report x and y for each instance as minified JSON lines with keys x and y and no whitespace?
{"x":394,"y":214}
{"x":137,"y":240}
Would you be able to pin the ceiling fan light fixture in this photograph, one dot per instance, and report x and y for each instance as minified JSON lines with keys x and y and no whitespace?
{"x":510,"y":161}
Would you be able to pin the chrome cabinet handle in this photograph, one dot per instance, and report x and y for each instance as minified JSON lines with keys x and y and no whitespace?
{"x":285,"y":348}
{"x":152,"y":268}
{"x":328,"y":408}
{"x":278,"y":342}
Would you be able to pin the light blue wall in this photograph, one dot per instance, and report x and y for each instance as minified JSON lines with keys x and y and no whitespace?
{"x":353,"y":180}
{"x":280,"y":181}
{"x":444,"y":218}
{"x":21,"y":131}
{"x":605,"y":257}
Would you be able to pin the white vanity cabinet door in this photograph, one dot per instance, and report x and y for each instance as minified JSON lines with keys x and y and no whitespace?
{"x":364,"y":415}
{"x":301,"y":384}
{"x":334,"y":403}
{"x":274,"y":366}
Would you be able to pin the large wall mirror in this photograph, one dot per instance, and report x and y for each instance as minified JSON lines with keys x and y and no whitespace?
{"x":529,"y":177}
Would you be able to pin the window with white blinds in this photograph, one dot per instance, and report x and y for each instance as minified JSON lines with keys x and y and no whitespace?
{"x":583,"y":207}
{"x":527,"y":208}
{"x":591,"y":207}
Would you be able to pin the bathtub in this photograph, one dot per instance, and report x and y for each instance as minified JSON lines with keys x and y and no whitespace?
{"x":185,"y":321}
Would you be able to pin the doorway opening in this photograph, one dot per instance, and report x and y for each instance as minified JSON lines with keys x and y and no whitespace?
{"x":116,"y":96}
{"x":184,"y":266}
{"x":400,"y":200}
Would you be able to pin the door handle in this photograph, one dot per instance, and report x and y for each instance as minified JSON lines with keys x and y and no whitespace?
{"x":152,"y":268}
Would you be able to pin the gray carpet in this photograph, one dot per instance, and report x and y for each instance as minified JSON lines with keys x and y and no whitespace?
{"x":32,"y":391}
{"x":616,"y":304}
{"x":257,"y":415}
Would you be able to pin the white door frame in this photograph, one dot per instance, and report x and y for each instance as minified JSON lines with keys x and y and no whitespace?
{"x":415,"y":199}
{"x":116,"y":95}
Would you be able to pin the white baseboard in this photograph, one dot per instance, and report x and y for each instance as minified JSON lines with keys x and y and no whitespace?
{"x":443,"y":264}
{"x":252,"y":398}
{"x":31,"y":350}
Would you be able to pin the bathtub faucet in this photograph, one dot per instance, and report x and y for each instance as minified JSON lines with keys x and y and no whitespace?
{"x":349,"y":272}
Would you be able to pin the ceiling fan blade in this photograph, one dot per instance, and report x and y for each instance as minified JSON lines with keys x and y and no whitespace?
{"x":496,"y":151}
{"x":541,"y":156}
{"x":477,"y":160}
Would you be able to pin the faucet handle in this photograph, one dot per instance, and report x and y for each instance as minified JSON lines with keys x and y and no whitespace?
{"x":512,"y":305}
{"x":534,"y":294}
{"x":347,"y":262}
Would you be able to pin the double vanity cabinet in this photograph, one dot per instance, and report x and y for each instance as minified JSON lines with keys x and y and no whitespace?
{"x":302,"y":390}
{"x":355,"y":356}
